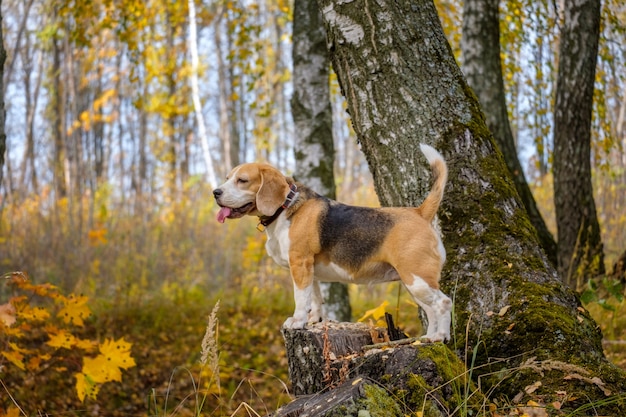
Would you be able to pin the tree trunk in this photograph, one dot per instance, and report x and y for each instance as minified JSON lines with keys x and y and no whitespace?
{"x":195,"y":95}
{"x":337,"y":369}
{"x":580,"y":253}
{"x":55,"y":112}
{"x":312,"y":114}
{"x":480,"y":49}
{"x":3,"y":136}
{"x":515,"y":323}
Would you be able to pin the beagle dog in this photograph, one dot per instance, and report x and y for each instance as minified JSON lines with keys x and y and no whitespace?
{"x":320,"y":239}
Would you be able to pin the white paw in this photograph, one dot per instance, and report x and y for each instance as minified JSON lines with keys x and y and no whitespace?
{"x":293,"y":323}
{"x":435,"y":337}
{"x":315,"y":317}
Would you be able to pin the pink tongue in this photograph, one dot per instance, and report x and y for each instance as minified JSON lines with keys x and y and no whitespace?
{"x":223,"y":214}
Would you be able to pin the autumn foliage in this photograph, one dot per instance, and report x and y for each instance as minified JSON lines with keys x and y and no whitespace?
{"x":43,"y":310}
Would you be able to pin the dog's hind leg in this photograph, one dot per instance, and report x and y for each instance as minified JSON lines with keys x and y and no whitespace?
{"x":436,"y":305}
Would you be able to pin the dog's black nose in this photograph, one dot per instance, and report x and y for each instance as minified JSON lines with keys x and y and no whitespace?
{"x":217,"y":192}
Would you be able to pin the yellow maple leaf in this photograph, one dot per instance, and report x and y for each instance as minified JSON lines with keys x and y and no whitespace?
{"x":16,"y":358}
{"x":86,"y":387}
{"x":34,"y":313}
{"x":75,"y":310}
{"x":117,"y":353}
{"x":34,"y":363}
{"x":107,"y":366}
{"x":96,"y":369}
{"x":376,"y":313}
{"x":61,"y":339}
{"x":87,"y":345}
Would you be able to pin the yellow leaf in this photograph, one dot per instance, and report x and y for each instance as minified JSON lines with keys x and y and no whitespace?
{"x":377,"y":312}
{"x":16,"y":358}
{"x":34,"y":313}
{"x":117,"y":353}
{"x":75,"y":310}
{"x":83,"y":344}
{"x":62,"y":339}
{"x":96,"y":369}
{"x":85,"y":387}
{"x":97,"y":236}
{"x":12,"y":411}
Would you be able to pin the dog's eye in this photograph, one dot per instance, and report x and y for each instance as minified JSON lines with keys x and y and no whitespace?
{"x":242,"y":180}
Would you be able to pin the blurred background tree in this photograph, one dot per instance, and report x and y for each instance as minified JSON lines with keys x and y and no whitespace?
{"x":103,"y":128}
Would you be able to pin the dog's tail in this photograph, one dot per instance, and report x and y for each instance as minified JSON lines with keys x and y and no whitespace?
{"x":428,"y":209}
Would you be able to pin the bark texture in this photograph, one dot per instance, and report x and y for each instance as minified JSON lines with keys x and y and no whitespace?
{"x":580,"y":253}
{"x":336,"y":370}
{"x":3,"y":136}
{"x":480,"y":49}
{"x":514,"y":319}
{"x":312,"y":114}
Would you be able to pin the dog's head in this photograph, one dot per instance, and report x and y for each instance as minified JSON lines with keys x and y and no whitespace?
{"x":251,"y":189}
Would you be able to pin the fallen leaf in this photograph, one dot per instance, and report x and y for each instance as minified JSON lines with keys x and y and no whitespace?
{"x":532,"y":387}
{"x":503,"y":310}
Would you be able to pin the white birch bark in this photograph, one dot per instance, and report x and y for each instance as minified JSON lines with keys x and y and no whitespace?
{"x":195,"y":93}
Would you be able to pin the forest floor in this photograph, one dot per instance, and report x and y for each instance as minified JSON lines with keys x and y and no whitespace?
{"x":166,"y":333}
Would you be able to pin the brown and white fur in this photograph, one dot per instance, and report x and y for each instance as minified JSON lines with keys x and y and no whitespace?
{"x":319,"y":239}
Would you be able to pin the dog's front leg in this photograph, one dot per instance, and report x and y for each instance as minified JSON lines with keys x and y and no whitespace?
{"x":315,"y":315}
{"x":303,"y":298}
{"x":303,"y":291}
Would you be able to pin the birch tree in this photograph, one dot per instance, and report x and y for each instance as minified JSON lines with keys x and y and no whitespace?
{"x":195,"y":94}
{"x":312,"y":114}
{"x":3,"y":136}
{"x":514,"y":321}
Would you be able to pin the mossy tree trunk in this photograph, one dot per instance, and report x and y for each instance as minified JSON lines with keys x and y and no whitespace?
{"x":515,"y":322}
{"x":482,"y":66}
{"x":312,"y":114}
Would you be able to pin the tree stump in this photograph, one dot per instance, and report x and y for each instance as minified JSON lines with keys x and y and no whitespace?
{"x":347,"y":367}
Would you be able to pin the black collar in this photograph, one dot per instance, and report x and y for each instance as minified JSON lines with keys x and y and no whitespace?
{"x":265,"y":221}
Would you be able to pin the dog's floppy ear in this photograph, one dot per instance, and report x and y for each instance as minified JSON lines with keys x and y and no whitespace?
{"x":273,"y":191}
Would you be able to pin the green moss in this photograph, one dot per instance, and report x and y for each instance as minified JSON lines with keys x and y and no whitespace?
{"x":420,"y":401}
{"x":443,"y":390}
{"x":380,"y":403}
{"x":376,"y":402}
